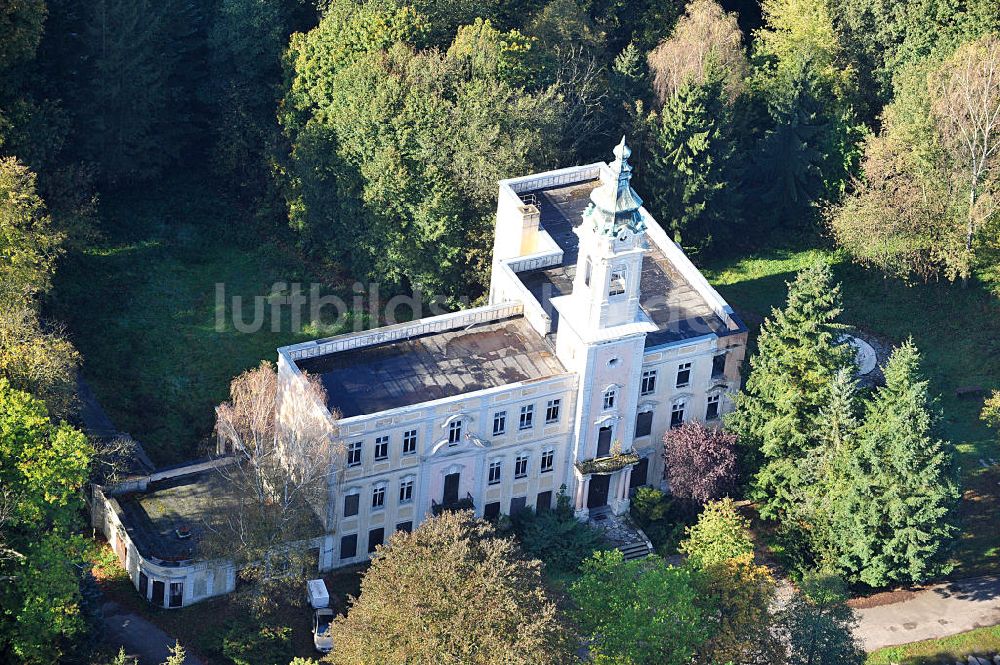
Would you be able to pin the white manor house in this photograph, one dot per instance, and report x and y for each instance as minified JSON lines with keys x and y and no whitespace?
{"x":599,"y":335}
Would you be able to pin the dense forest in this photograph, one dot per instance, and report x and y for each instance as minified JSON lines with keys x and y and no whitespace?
{"x":365,"y":137}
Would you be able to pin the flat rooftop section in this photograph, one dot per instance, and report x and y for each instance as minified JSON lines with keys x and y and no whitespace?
{"x":152,"y":518}
{"x":676,"y":308}
{"x":433,"y":366}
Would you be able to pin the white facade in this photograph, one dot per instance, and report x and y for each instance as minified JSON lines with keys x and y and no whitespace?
{"x":629,"y":364}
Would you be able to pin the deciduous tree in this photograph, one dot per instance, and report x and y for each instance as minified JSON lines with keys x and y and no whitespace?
{"x":451,"y":591}
{"x":284,"y":455}
{"x":642,"y":611}
{"x":701,"y":462}
{"x":29,"y":244}
{"x":965,"y":107}
{"x":720,"y":534}
{"x":43,"y":467}
{"x":706,"y":41}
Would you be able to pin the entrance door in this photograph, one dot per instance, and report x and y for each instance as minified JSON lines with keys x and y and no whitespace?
{"x":450,"y":488}
{"x":598,"y":495}
{"x":158,"y":591}
{"x":603,"y":443}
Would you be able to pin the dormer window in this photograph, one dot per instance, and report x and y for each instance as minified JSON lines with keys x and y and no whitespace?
{"x":617,"y":286}
{"x":610,"y":396}
{"x":454,"y":432}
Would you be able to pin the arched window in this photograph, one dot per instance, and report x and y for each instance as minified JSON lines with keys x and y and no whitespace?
{"x":617,"y":286}
{"x":610,"y":397}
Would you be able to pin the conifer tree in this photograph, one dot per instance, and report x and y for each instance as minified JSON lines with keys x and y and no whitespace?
{"x":834,"y":464}
{"x":819,"y":623}
{"x":797,"y":359}
{"x":693,"y":163}
{"x":892,"y":523}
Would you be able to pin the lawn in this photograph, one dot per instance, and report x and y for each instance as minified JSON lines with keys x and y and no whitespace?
{"x":140,"y":304}
{"x":956,"y":330}
{"x":980,"y":642}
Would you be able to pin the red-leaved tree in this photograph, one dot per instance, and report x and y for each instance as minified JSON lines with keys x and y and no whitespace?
{"x":700,"y":462}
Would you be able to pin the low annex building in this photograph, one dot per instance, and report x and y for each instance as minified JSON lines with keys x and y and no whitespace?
{"x":599,"y":335}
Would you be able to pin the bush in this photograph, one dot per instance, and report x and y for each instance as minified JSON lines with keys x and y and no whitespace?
{"x":721,"y":534}
{"x":556,"y":536}
{"x":661,"y":517}
{"x":249,"y":644}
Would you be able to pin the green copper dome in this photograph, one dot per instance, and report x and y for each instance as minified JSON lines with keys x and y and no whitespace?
{"x":615,"y":204}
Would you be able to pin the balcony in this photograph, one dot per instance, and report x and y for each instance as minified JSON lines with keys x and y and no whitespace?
{"x":458,"y":504}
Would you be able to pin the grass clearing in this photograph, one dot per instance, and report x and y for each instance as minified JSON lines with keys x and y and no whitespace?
{"x":983,"y":642}
{"x":140,"y":305}
{"x":957,"y":332}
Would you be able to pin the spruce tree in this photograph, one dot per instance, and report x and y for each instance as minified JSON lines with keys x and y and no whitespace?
{"x":834,"y":464}
{"x":892,"y":523}
{"x":777,"y":414}
{"x":694,"y":162}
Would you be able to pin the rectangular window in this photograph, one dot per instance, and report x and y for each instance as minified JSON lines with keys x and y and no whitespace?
{"x":406,"y":491}
{"x":644,"y":423}
{"x":176,"y":594}
{"x":499,"y":423}
{"x":588,"y":270}
{"x":648,"y":382}
{"x":527,"y":417}
{"x":354,"y":453}
{"x":683,"y":374}
{"x":491,"y":511}
{"x":517,"y":504}
{"x":494,"y":477}
{"x":639,"y":473}
{"x":521,"y":466}
{"x":609,"y":398}
{"x":454,"y":432}
{"x":677,"y":414}
{"x":381,"y":448}
{"x":405,"y":527}
{"x":544,"y":502}
{"x":712,"y":410}
{"x":719,"y":366}
{"x":617,"y":286}
{"x":604,"y":441}
{"x":375,"y":538}
{"x":351,"y":502}
{"x":548,"y":457}
{"x":378,"y":497}
{"x":349,"y":546}
{"x":409,"y":442}
{"x":552,"y":411}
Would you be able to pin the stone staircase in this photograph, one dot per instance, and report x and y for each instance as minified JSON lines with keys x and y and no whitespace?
{"x":621,"y":532}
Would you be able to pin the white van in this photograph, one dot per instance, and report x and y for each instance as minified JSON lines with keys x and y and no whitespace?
{"x":319,"y":601}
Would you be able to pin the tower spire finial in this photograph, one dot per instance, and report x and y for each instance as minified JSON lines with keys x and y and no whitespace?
{"x":615,"y":203}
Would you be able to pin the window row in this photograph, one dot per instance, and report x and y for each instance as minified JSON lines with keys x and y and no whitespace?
{"x":495,"y":469}
{"x":355,"y":449}
{"x":543,"y":502}
{"x":683,"y":378}
{"x":352,"y":500}
{"x":526,"y":417}
{"x":644,"y":419}
{"x":376,"y":537}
